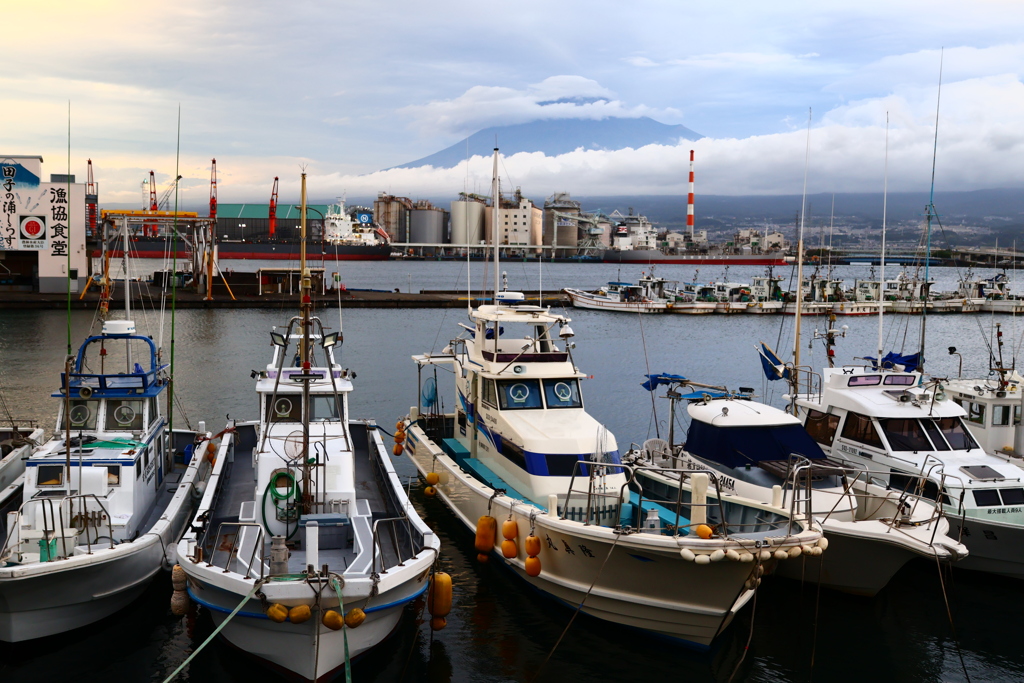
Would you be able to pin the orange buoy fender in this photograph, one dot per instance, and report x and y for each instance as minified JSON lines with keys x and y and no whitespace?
{"x":399,"y":437}
{"x":433,"y":478}
{"x":704,"y":531}
{"x":277,"y":613}
{"x":333,"y":620}
{"x":532,"y":545}
{"x":355,"y":617}
{"x":510,"y":529}
{"x":429,"y":492}
{"x":509,"y":549}
{"x":399,"y":426}
{"x":533,"y":566}
{"x":439,"y":595}
{"x":397,"y":450}
{"x":299,"y":614}
{"x":438,"y":623}
{"x":486,"y":530}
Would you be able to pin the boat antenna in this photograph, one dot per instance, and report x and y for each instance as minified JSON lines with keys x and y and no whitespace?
{"x":306,"y":305}
{"x":69,"y":359}
{"x":495,"y":189}
{"x":881,"y":260}
{"x":800,"y":266}
{"x":929,"y":214}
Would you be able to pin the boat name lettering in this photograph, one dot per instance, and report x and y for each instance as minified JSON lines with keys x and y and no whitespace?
{"x":585,"y":550}
{"x":727,"y":483}
{"x":568,"y":549}
{"x":1003,"y":511}
{"x":551,"y":544}
{"x":150,"y":469}
{"x":490,"y":418}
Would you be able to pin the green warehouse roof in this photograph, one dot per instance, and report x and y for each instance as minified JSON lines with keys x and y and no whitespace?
{"x":285,"y":211}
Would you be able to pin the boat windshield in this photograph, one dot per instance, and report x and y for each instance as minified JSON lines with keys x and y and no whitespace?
{"x":519,"y":394}
{"x":562,"y":393}
{"x":124,"y":415}
{"x":83,"y":414}
{"x":323,"y":408}
{"x":940,"y":434}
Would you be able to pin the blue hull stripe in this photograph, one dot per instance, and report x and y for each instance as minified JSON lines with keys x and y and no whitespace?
{"x":261,"y":615}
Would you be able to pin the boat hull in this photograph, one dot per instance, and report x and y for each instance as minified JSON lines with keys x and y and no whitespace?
{"x":995,"y":548}
{"x":150,"y":247}
{"x":587,"y":300}
{"x":591,"y":565}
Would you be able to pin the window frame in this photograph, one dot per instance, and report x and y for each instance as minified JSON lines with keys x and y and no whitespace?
{"x":874,"y":430}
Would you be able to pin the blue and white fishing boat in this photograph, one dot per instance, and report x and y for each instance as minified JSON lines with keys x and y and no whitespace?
{"x":105,"y":499}
{"x":305,"y":548}
{"x":520,"y":449}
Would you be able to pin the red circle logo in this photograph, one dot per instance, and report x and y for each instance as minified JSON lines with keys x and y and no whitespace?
{"x":33,"y":228}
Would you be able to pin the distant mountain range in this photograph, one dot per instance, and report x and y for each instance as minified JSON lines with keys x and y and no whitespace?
{"x":559,"y":136}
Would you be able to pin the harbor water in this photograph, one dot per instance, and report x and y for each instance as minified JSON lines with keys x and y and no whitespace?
{"x":500,"y":629}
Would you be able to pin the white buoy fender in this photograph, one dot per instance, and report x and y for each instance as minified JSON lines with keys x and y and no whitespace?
{"x":746,"y":557}
{"x":687,"y":554}
{"x":823,"y":543}
{"x":717,"y":555}
{"x":795,"y":551}
{"x":781,"y":554}
{"x":766,"y":555}
{"x":816,"y":551}
{"x":702,"y":559}
{"x":808,"y":550}
{"x":732,"y":555}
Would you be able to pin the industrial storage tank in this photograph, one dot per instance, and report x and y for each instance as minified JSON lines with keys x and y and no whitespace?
{"x":467,"y":222}
{"x":427,"y":226}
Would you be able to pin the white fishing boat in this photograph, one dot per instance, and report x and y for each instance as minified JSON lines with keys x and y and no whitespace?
{"x":646,"y":296}
{"x":16,"y":443}
{"x":105,"y":499}
{"x":761,"y":453}
{"x":520,"y":447}
{"x":691,"y":298}
{"x":990,"y":295}
{"x":766,"y":296}
{"x":305,"y":548}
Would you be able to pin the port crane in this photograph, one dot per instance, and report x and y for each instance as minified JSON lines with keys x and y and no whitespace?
{"x":273,"y":209}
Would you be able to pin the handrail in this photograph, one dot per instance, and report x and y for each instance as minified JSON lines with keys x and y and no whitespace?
{"x":377,"y":545}
{"x":257,"y":547}
{"x":55,"y":517}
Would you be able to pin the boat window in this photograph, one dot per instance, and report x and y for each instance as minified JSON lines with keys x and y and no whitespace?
{"x":513,"y":453}
{"x":284,"y":409}
{"x":490,"y":396}
{"x":124,"y":415}
{"x":83,"y":414}
{"x":865,"y":380}
{"x":905,"y":434}
{"x":138,"y":468}
{"x":113,"y":474}
{"x":50,"y":475}
{"x":519,"y":394}
{"x":1016,"y":414}
{"x":986,"y":497}
{"x":562,"y":393}
{"x":956,"y":433}
{"x":1012,"y":496}
{"x":822,"y":426}
{"x":900,"y":380}
{"x":739,"y":446}
{"x":1000,"y":416}
{"x":564,"y":464}
{"x":323,"y":408}
{"x":975,"y":413}
{"x":859,"y":428}
{"x":935,"y":435}
{"x":154,"y":410}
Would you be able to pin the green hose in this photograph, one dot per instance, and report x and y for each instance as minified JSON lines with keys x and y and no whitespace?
{"x":294,"y":491}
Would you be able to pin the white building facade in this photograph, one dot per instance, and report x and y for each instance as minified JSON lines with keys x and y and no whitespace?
{"x":42,"y":229}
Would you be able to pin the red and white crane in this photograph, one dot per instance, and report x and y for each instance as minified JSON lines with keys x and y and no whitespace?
{"x":689,"y":200}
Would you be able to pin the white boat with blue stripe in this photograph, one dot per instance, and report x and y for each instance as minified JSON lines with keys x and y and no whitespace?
{"x":104,"y":499}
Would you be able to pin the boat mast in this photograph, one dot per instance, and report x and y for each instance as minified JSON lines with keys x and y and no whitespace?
{"x":127,"y":292}
{"x":929,"y":213}
{"x":495,"y":191}
{"x":881,"y":260}
{"x":306,"y":305}
{"x":800,"y":269}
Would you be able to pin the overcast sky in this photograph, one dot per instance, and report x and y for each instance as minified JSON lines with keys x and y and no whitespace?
{"x":348,"y":88}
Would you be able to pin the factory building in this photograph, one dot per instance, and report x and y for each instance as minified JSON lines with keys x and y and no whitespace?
{"x":394,"y":214}
{"x":561,"y":227}
{"x":42,"y":225}
{"x":519,"y":222}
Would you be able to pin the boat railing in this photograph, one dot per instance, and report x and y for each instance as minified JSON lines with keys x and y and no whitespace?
{"x":677,"y":505}
{"x":134,"y":380}
{"x":597,"y":495}
{"x":236,"y":546}
{"x":395,"y":526}
{"x":53,"y":519}
{"x":806,"y":382}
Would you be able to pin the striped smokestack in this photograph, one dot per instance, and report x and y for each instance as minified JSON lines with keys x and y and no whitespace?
{"x":689,"y":200}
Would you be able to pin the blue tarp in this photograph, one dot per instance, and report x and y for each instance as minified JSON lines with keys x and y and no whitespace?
{"x":738,"y":446}
{"x":655,"y":381}
{"x":890,"y":360}
{"x":773,"y":367}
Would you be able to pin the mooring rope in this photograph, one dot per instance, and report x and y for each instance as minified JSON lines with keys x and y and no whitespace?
{"x":217,"y":630}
